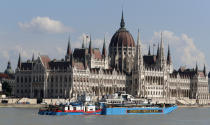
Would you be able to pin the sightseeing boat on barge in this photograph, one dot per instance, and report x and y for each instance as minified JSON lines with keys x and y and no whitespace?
{"x":125,"y":104}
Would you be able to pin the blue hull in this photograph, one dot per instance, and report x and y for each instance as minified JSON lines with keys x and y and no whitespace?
{"x":117,"y":111}
{"x":137,"y":110}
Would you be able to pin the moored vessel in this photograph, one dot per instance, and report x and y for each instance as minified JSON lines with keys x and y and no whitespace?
{"x":82,"y":107}
{"x":117,"y":104}
{"x":125,"y":104}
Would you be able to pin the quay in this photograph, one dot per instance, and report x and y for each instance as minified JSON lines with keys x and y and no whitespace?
{"x":21,"y":105}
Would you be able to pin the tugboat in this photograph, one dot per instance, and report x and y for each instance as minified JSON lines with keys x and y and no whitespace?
{"x":125,"y":104}
{"x":82,"y":107}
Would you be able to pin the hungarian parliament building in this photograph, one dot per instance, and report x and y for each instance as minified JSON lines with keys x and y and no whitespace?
{"x":124,"y":67}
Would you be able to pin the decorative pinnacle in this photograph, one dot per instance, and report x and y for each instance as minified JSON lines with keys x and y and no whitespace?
{"x":122,"y":23}
{"x":69,"y":47}
{"x":149,"y":53}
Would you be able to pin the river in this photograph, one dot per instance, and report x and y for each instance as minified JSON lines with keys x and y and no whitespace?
{"x":182,"y":116}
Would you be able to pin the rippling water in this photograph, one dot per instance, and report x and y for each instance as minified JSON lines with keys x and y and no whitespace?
{"x":182,"y":116}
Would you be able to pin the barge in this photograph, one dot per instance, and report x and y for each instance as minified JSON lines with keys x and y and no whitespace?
{"x":125,"y":104}
{"x":118,"y":104}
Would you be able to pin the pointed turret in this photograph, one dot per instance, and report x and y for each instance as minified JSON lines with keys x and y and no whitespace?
{"x":32,"y":58}
{"x":161,"y":53}
{"x":68,"y":52}
{"x":138,"y":39}
{"x":122,"y":23}
{"x":149,"y":53}
{"x":138,"y":57}
{"x":90,"y":47}
{"x":169,"y":61}
{"x":204,"y":69}
{"x":104,"y":49}
{"x":158,"y":50}
{"x":19,"y":62}
{"x":196,"y":67}
{"x":161,"y":46}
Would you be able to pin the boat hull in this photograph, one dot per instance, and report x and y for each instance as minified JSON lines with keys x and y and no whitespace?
{"x":98,"y":112}
{"x":137,"y":110}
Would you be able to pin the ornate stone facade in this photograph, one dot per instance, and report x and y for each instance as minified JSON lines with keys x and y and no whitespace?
{"x":124,"y":68}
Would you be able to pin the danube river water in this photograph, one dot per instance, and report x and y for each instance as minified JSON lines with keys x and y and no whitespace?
{"x":182,"y":116}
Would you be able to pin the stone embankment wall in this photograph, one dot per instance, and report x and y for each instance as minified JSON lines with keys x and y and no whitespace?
{"x":20,"y":100}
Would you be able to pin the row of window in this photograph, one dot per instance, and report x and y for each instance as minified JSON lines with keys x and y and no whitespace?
{"x":154,"y":93}
{"x":56,"y":85}
{"x":40,"y":78}
{"x":26,"y":85}
{"x":59,"y":79}
{"x":23,"y":91}
{"x":49,"y":91}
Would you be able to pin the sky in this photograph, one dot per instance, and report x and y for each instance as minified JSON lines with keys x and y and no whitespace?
{"x":44,"y":27}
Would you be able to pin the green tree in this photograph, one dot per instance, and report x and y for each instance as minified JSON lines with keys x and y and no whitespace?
{"x":6,"y":88}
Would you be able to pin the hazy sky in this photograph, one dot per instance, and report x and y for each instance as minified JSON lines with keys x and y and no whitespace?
{"x":43,"y":26}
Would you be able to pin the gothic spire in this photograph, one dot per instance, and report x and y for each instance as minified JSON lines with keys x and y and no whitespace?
{"x":149,"y":53}
{"x":68,"y":52}
{"x":161,"y":53}
{"x":138,"y":57}
{"x":158,"y":49}
{"x":169,"y":56}
{"x":19,"y":61}
{"x":138,"y":39}
{"x":122,"y":23}
{"x":90,"y":46}
{"x":196,"y":67}
{"x":204,"y":69}
{"x":104,"y":48}
{"x":33,"y":57}
{"x":161,"y":46}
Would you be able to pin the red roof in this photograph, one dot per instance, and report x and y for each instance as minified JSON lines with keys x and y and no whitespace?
{"x":97,"y":53}
{"x":3,"y":75}
{"x":122,"y":38}
{"x":45,"y":60}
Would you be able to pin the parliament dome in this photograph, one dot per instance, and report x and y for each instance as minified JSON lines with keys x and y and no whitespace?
{"x":122,"y":37}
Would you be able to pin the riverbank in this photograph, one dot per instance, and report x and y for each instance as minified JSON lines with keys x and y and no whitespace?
{"x":21,"y":105}
{"x":193,"y":106}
